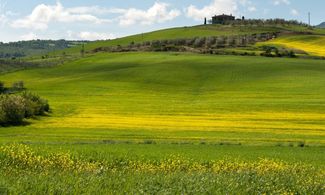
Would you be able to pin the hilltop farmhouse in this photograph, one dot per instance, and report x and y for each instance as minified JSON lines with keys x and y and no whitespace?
{"x":222,"y":19}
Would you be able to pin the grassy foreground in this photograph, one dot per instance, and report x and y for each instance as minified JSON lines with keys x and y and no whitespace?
{"x":170,"y":123}
{"x":27,"y":170}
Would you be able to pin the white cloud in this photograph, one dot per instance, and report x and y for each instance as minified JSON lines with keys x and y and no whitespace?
{"x":3,"y":14}
{"x":95,"y":10}
{"x":252,"y":9}
{"x":279,"y":2}
{"x":216,"y":7}
{"x":294,"y":12}
{"x":249,"y":5}
{"x":3,"y":19}
{"x":158,"y":13}
{"x":28,"y":37}
{"x":91,"y":36}
{"x":43,"y":14}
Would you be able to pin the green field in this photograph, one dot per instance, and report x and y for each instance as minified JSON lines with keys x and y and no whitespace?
{"x":171,"y":97}
{"x":171,"y":123}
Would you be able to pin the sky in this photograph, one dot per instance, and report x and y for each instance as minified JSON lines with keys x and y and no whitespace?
{"x":109,"y":19}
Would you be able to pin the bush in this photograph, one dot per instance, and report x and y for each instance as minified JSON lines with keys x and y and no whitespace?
{"x":210,"y":41}
{"x":15,"y":108}
{"x":12,"y":109}
{"x":291,"y":54}
{"x":35,"y":105}
{"x":199,"y":42}
{"x":2,"y":87}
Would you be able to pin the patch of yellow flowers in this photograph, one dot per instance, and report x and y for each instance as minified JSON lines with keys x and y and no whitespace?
{"x":23,"y":157}
{"x":261,"y":167}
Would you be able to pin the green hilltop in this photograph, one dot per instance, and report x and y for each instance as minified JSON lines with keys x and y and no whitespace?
{"x":195,"y":31}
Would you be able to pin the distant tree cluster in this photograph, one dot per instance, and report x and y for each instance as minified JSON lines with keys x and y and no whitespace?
{"x":270,"y":51}
{"x":16,"y":104}
{"x":16,"y":64}
{"x":34,"y":47}
{"x":201,"y":44}
{"x":12,"y":55}
{"x":267,"y":22}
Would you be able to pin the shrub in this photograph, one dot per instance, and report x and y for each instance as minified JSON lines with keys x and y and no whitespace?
{"x":199,"y":42}
{"x":12,"y":109}
{"x":35,"y":105}
{"x":190,"y":42}
{"x":180,"y":42}
{"x":210,"y":41}
{"x":221,"y":41}
{"x":2,"y":87}
{"x":17,"y":86}
{"x":292,"y":54}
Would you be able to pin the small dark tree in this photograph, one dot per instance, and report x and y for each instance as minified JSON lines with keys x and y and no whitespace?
{"x":291,"y":54}
{"x":82,"y":51}
{"x":2,"y":87}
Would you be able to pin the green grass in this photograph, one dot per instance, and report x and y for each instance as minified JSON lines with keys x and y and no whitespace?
{"x":171,"y":97}
{"x":131,"y":110}
{"x":129,"y":168}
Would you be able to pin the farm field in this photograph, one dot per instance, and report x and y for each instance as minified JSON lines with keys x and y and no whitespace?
{"x":172,"y":96}
{"x":171,"y":123}
{"x":312,"y":44}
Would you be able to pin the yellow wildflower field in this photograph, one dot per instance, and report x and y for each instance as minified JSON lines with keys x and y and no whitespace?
{"x":312,"y":44}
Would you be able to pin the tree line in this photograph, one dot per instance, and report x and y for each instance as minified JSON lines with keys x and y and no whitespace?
{"x":266,"y":22}
{"x":34,"y":47}
{"x":199,"y":44}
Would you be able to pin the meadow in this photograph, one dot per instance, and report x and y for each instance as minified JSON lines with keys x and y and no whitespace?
{"x":170,"y":123}
{"x":171,"y":96}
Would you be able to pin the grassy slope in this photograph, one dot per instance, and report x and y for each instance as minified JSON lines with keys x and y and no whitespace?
{"x":177,"y":97}
{"x":312,"y":44}
{"x":188,"y":32}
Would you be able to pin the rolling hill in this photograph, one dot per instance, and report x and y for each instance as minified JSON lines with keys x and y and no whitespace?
{"x":321,"y":25}
{"x":191,"y":32}
{"x":172,"y":96}
{"x":171,"y":122}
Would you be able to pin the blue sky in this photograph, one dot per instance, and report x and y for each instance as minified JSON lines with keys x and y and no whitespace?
{"x":107,"y":19}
